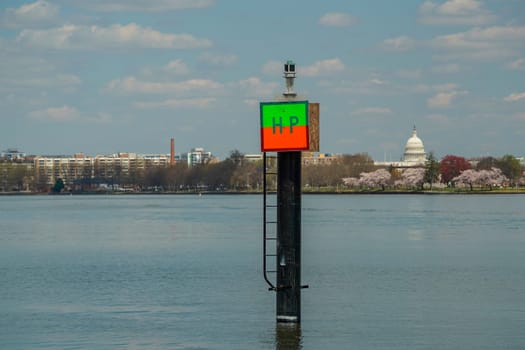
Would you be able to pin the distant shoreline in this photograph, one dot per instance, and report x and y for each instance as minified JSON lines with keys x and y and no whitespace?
{"x":376,"y":192}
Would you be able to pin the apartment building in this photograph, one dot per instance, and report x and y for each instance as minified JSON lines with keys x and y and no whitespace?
{"x":102,"y":168}
{"x":68,"y":168}
{"x":197,"y":156}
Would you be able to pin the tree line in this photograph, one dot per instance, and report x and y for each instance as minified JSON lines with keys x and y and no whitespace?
{"x":235,"y":173}
{"x":452,"y":171}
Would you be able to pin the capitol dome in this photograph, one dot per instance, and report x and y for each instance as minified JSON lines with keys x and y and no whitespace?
{"x":414,"y":150}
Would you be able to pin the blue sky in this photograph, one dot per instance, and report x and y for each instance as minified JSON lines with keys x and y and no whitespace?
{"x":106,"y":76}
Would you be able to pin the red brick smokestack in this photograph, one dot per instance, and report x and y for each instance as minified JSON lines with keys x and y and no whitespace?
{"x":172,"y":152}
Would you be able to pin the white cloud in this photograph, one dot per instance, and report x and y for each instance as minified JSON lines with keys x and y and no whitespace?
{"x":455,"y":12}
{"x":515,"y":97}
{"x":481,"y":43}
{"x":31,"y":15}
{"x":273,"y":68}
{"x":400,"y":43}
{"x":131,"y":35}
{"x":60,"y":114}
{"x":424,"y":88}
{"x":68,"y":114}
{"x":251,"y":102}
{"x":132,"y":85}
{"x":178,"y":67}
{"x":22,"y":73}
{"x":68,"y":81}
{"x":444,"y":99}
{"x":480,"y":38}
{"x":218,"y":60}
{"x":446,"y":68}
{"x":319,"y":68}
{"x":373,"y":86}
{"x":518,"y":64}
{"x":458,"y":7}
{"x":143,"y":5}
{"x":255,"y":87}
{"x":337,"y":19}
{"x":377,"y":81}
{"x":192,"y":103}
{"x":373,"y":110}
{"x":348,"y":142}
{"x":438,"y":118}
{"x":519,"y":116}
{"x":409,"y":73}
{"x":175,"y":67}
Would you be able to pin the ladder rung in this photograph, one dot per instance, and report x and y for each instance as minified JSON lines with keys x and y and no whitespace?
{"x":271,"y":254}
{"x":271,"y":205}
{"x":271,"y":222}
{"x":271,"y":238}
{"x":272,"y":271}
{"x":271,"y":173}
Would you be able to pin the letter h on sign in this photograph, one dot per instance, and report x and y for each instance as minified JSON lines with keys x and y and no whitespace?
{"x":280,"y":125}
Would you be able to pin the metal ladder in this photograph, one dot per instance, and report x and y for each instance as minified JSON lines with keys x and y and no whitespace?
{"x":269,"y":222}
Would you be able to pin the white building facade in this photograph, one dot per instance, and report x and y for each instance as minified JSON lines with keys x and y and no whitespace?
{"x":102,"y":167}
{"x":413,"y":156}
{"x":414,"y":151}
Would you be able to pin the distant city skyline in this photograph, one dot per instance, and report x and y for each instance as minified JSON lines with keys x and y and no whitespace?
{"x":387,"y":158}
{"x":103,"y":77}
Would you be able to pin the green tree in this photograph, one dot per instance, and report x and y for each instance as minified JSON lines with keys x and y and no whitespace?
{"x":15,"y":176}
{"x":236,"y":157}
{"x":58,"y":186}
{"x":510,"y":167}
{"x":431,"y":170}
{"x":487,"y":163}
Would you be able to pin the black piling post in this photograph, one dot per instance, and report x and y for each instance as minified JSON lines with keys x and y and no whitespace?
{"x":285,"y":130}
{"x":288,"y":287}
{"x":288,"y":336}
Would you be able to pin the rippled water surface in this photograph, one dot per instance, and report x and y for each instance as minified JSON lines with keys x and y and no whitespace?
{"x":184,"y":272}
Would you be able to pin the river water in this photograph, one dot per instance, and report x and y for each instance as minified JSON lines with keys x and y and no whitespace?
{"x":185,"y":272}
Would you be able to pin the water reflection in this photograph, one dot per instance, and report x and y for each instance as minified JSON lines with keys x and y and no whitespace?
{"x":288,"y":336}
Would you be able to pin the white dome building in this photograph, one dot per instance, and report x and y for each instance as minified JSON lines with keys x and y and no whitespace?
{"x":414,"y":150}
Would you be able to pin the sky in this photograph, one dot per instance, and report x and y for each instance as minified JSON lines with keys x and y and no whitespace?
{"x":108,"y":76}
